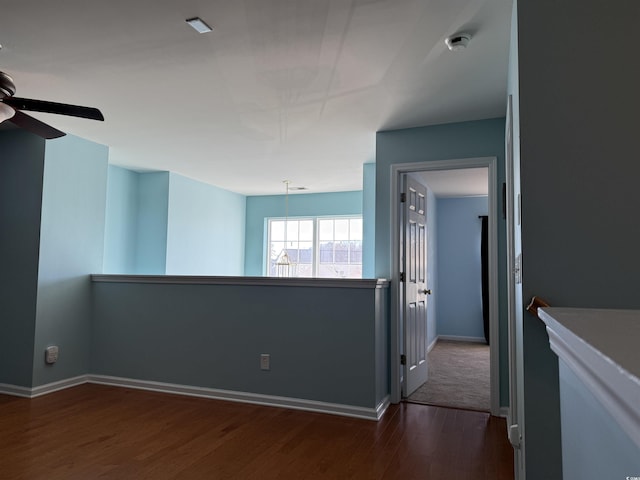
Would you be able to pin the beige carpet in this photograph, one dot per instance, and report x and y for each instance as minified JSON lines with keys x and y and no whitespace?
{"x":458,"y":377}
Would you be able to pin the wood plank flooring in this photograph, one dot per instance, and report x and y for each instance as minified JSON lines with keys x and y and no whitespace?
{"x":99,"y":432}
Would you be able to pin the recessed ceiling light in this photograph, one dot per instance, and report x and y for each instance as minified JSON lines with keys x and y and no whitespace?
{"x":198,"y":25}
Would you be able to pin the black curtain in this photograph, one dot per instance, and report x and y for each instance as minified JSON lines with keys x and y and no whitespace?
{"x":484,"y":254}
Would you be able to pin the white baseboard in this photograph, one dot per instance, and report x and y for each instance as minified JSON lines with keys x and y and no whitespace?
{"x":245,"y":397}
{"x":15,"y":390}
{"x":432,"y":344}
{"x":382,"y":407}
{"x":459,"y":338}
{"x":60,"y":385}
{"x":26,"y":392}
{"x":212,"y":393}
{"x":504,"y":413}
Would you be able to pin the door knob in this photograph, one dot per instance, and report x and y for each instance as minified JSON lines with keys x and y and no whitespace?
{"x":426,"y":292}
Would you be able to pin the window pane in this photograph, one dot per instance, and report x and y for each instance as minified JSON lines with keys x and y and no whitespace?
{"x":293,"y":252}
{"x":355,"y":229}
{"x":325,"y":229}
{"x":337,"y":247}
{"x":277,"y":230}
{"x":342,"y":252}
{"x":305,"y":270}
{"x":306,"y":252}
{"x":326,"y":252}
{"x":342,"y":229}
{"x":276,"y":248}
{"x":341,"y":271}
{"x":306,"y":230}
{"x":355,"y":271}
{"x":274,"y":252}
{"x":292,"y":230}
{"x":327,"y":271}
{"x":355,"y":253}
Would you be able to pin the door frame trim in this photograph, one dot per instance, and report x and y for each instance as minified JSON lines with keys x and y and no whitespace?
{"x":397,"y":170}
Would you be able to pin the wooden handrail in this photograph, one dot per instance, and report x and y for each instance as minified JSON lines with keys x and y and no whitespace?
{"x":535,"y":304}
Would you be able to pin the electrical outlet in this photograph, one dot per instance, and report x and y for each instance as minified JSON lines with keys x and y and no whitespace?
{"x":51,"y":354}
{"x":265,"y":361}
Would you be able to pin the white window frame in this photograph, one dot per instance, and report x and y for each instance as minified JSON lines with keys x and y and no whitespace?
{"x":315,"y":242}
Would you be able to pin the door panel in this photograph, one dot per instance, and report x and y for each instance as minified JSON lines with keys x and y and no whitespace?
{"x":415,"y":285}
{"x":514,"y":298}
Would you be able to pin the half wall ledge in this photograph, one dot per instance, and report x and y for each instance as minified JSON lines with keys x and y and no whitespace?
{"x":326,"y":339}
{"x":601,"y":348}
{"x":253,"y":281}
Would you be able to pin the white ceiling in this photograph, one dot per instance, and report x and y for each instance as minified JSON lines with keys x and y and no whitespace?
{"x":463,"y":182}
{"x":281,"y":89}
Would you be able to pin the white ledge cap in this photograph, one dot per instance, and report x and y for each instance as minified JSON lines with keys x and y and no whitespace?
{"x":601,"y":348}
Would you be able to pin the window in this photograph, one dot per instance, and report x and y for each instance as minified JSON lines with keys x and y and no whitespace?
{"x":329,"y":247}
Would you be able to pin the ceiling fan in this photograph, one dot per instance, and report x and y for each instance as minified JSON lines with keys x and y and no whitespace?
{"x":11,"y":109}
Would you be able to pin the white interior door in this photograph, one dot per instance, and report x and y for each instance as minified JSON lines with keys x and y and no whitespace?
{"x":515,"y":419}
{"x":414,"y":290}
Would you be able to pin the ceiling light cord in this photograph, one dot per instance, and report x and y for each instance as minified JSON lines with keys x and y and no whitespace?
{"x":284,"y":266}
{"x":286,"y":211}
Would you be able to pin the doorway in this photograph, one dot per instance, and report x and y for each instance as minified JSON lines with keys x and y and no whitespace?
{"x":399,"y":317}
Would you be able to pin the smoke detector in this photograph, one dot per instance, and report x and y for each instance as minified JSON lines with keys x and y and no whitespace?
{"x":458,"y":42}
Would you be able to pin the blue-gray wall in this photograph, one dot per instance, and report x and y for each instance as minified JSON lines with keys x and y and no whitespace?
{"x":205,"y":229}
{"x":482,"y":138}
{"x":459,"y":292}
{"x":593,"y":444}
{"x":211,"y":336}
{"x":21,"y":171}
{"x":164,"y":223}
{"x":368,"y":219}
{"x":578,"y":117}
{"x":121,"y":221}
{"x":259,"y":208}
{"x":152,"y":224}
{"x":52,"y":204}
{"x":71,"y":248}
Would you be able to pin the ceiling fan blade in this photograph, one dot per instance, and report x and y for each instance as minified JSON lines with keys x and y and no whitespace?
{"x":53,"y":107}
{"x":35,"y":126}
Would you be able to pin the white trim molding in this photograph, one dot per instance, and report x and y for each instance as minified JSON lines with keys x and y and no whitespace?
{"x":60,"y":385}
{"x":15,"y":390}
{"x":605,"y":359}
{"x":203,"y":392}
{"x":26,"y":392}
{"x":381,"y":409}
{"x":397,"y":170}
{"x":245,"y":397}
{"x":245,"y":281}
{"x":433,"y":344}
{"x":462,"y":338}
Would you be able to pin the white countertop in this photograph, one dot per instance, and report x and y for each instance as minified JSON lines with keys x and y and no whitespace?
{"x":602,"y":347}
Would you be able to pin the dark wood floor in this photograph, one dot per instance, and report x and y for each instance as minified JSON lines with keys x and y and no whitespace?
{"x":94,"y":431}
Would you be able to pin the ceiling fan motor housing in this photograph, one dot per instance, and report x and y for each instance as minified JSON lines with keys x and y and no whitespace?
{"x":7,"y":87}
